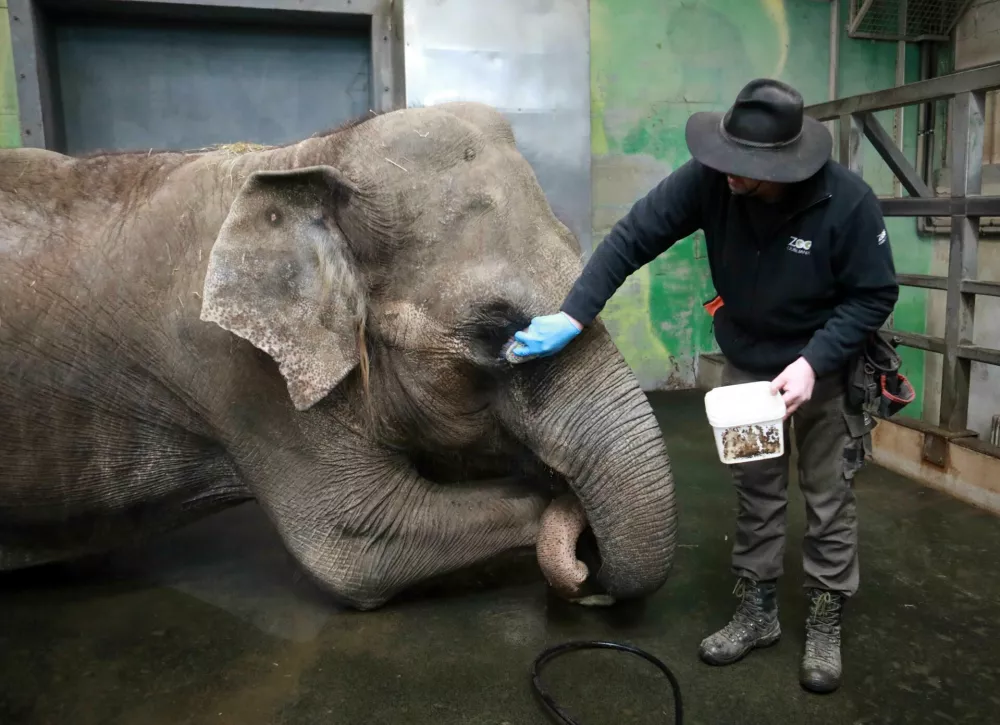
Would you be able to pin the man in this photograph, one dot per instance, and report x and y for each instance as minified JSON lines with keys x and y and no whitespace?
{"x":801,"y":261}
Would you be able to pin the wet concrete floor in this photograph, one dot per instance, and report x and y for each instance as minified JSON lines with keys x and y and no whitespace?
{"x":212,"y":625}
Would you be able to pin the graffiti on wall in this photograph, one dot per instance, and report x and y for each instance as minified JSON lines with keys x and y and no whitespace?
{"x":651,"y":67}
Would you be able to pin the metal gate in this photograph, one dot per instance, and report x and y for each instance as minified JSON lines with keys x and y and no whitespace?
{"x":966,"y":91}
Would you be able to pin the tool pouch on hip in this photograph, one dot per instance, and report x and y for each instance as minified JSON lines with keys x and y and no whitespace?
{"x":875,"y":385}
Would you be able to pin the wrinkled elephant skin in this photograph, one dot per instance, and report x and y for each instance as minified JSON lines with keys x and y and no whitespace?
{"x":317,"y":327}
{"x":562,"y":523}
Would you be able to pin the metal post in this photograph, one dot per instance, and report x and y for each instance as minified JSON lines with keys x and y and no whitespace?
{"x":831,"y":90}
{"x":925,"y":123}
{"x":851,"y":134}
{"x":893,"y":156}
{"x":967,"y":116}
{"x":859,"y":15}
{"x":900,"y":80}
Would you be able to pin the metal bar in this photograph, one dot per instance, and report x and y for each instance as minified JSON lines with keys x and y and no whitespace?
{"x":927,"y":281}
{"x":984,"y":78}
{"x":977,"y":206}
{"x":831,"y":82}
{"x":918,"y":341}
{"x":981,"y":206}
{"x":894,"y":158}
{"x":967,"y":114}
{"x":924,"y":116}
{"x":851,"y":150}
{"x":860,"y":15}
{"x":397,"y":38}
{"x":932,"y":281}
{"x":897,"y":37}
{"x":30,"y":55}
{"x":912,"y":206}
{"x":988,"y":355}
{"x":978,"y":287}
{"x":899,"y":177}
{"x":382,"y":48}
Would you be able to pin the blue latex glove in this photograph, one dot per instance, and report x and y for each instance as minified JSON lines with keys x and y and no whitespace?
{"x":545,"y":336}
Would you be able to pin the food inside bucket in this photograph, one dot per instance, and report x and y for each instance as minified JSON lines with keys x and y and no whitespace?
{"x":752,"y":440}
{"x":748,"y":421}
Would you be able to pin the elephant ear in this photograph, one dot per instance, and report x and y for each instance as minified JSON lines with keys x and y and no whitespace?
{"x":281,"y":276}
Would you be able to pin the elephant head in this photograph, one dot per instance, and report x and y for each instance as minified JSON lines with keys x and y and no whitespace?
{"x":386,"y":265}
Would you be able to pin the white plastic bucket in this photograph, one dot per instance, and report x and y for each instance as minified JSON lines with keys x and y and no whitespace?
{"x":748,"y":421}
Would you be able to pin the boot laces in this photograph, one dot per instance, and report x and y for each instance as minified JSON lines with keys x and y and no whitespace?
{"x":823,"y":625}
{"x":750,"y":613}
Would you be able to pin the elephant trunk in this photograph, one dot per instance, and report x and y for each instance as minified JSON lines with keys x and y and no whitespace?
{"x":584,"y":415}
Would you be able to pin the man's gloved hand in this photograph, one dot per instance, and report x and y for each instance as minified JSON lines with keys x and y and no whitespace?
{"x":546,"y":335}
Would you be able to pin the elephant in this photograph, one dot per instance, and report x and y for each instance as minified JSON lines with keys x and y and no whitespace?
{"x":318,"y":327}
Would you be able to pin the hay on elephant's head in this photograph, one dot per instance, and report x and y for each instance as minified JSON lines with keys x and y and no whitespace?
{"x":239,"y":148}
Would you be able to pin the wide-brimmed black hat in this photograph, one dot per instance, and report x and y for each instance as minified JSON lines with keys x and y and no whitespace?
{"x":765,"y":135}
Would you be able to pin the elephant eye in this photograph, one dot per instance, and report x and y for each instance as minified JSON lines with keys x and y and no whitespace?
{"x":490,"y":326}
{"x":500,"y":314}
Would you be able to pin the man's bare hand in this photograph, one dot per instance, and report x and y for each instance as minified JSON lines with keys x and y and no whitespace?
{"x":796,"y":385}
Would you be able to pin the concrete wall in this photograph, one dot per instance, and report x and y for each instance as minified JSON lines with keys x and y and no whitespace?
{"x":653,"y":63}
{"x":977,"y":41}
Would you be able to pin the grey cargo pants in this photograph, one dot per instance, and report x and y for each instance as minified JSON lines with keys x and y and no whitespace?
{"x":831,"y":444}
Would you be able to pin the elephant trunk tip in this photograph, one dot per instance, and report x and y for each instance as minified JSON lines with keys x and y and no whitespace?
{"x":562,"y":524}
{"x":634,"y":575}
{"x":623,"y":587}
{"x":577,"y":567}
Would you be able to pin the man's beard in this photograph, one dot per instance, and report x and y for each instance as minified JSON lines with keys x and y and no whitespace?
{"x":744,"y":190}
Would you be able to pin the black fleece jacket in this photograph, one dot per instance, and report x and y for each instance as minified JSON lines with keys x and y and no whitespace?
{"x":810,"y":276}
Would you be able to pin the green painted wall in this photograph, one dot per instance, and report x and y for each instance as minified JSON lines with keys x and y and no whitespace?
{"x":9,"y":127}
{"x":653,"y":63}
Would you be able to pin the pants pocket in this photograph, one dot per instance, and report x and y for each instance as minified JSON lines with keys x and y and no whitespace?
{"x":859,"y":442}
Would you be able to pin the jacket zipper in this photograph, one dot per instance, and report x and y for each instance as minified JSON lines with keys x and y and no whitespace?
{"x":756,"y":278}
{"x":790,"y":217}
{"x":803,"y":210}
{"x":756,"y":270}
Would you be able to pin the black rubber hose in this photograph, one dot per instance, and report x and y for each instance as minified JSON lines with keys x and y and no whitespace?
{"x":553,"y":652}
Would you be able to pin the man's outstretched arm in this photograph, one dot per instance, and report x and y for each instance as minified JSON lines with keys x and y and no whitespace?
{"x":669,"y":212}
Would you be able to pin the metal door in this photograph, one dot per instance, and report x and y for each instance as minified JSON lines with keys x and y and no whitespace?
{"x":186,"y":85}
